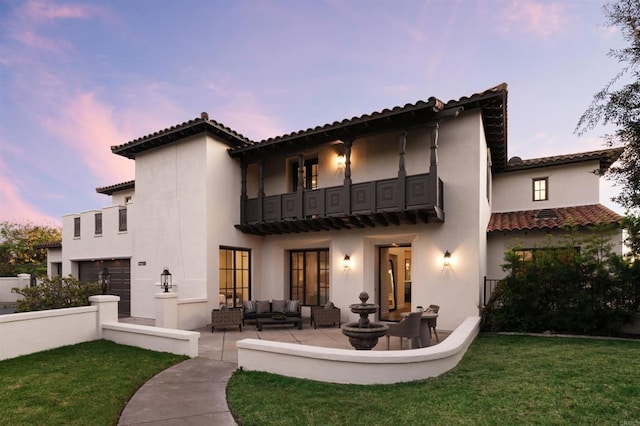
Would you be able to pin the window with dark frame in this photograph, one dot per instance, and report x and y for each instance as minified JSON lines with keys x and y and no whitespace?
{"x":309,"y":174}
{"x":309,"y":276}
{"x":122,"y":220}
{"x":540,"y":189}
{"x":76,"y":227}
{"x":98,"y":224}
{"x":234,"y":275}
{"x":529,"y":255}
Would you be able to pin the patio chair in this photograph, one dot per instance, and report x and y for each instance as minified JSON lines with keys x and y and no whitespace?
{"x":327,"y":315}
{"x":432,"y":322}
{"x":408,"y":327}
{"x":226,"y":318}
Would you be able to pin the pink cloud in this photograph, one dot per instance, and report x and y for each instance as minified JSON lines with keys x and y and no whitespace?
{"x":45,"y":10}
{"x":15,"y":209}
{"x":541,"y":20}
{"x":30,"y":39}
{"x":88,"y":126}
{"x":243,"y":114}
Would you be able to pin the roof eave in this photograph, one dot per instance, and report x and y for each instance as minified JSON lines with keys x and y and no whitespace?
{"x":173,"y":134}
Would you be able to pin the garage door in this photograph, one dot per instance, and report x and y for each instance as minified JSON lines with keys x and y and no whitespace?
{"x":120,"y":270}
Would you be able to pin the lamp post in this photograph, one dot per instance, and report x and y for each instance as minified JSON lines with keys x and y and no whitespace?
{"x":104,"y":278}
{"x":165,"y":280}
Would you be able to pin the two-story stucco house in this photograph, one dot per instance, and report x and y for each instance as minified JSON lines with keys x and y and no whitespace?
{"x":414,"y":204}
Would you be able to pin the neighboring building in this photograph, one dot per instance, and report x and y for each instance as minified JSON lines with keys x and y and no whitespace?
{"x":369,"y":203}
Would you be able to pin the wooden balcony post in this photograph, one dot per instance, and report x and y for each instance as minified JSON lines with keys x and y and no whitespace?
{"x":260,"y":191}
{"x":347,"y":175}
{"x":243,"y":196}
{"x":300,"y":188}
{"x":433,"y":167}
{"x":402,"y":173}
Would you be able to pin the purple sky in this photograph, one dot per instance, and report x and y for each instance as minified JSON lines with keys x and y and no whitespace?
{"x":78,"y":77}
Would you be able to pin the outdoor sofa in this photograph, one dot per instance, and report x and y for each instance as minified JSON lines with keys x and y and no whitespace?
{"x":254,"y":309}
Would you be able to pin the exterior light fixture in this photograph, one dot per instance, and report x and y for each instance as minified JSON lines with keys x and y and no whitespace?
{"x":341,"y":161}
{"x":447,"y":259}
{"x":346,"y":262}
{"x":104,"y":279}
{"x":165,"y":280}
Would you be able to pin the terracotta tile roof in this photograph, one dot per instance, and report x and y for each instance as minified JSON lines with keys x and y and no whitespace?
{"x":51,"y":245}
{"x":109,"y":190}
{"x":605,"y":156}
{"x":171,"y":134}
{"x":552,"y":218}
{"x":492,"y":102}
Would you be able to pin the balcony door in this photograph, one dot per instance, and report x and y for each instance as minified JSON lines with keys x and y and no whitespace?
{"x":309,"y":174}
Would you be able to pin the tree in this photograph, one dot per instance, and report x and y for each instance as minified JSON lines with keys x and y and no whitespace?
{"x":620,"y":106}
{"x":18,"y":248}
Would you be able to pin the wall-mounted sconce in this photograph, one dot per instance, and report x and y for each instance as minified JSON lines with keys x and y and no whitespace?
{"x":341,"y":161}
{"x":104,"y":279}
{"x":165,"y":280}
{"x":447,"y":259}
{"x":346,"y":262}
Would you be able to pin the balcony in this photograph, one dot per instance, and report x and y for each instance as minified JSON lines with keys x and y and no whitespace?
{"x":387,"y":202}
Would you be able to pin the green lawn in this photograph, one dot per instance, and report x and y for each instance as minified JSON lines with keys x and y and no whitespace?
{"x":84,"y":384}
{"x":501,"y":380}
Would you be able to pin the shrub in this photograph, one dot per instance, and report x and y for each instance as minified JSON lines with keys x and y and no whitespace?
{"x":587,"y":291}
{"x":55,"y":293}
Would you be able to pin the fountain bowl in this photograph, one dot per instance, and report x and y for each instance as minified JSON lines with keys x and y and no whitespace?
{"x":364,"y":338}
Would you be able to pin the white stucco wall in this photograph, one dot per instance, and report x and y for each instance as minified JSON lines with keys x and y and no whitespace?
{"x":462,"y":167}
{"x":569,"y":185}
{"x":112,"y":243}
{"x":171,"y":230}
{"x":224,"y":188}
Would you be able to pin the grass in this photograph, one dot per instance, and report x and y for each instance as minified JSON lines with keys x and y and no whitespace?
{"x":501,"y":380}
{"x":84,"y":384}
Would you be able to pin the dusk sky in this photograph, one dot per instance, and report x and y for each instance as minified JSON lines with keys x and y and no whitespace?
{"x":79,"y":77}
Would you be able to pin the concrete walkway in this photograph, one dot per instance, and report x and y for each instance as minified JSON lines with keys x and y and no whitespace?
{"x":194,"y":391}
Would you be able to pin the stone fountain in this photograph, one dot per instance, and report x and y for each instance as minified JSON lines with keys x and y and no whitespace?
{"x":363,"y":335}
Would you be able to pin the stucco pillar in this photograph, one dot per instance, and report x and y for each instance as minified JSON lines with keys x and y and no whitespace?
{"x":167,"y":310}
{"x":107,"y":310}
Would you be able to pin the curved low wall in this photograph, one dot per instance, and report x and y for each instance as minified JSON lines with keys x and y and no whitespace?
{"x":357,"y":367}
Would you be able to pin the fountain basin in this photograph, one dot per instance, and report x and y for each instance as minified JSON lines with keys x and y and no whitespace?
{"x":364,"y":339}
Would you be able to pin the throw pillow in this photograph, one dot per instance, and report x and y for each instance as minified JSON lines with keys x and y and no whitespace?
{"x":293,"y":306}
{"x":249,"y":306}
{"x":329,"y":305}
{"x":262,"y":306}
{"x":278,"y":305}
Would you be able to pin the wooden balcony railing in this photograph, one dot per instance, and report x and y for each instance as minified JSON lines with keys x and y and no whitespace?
{"x":410,"y":199}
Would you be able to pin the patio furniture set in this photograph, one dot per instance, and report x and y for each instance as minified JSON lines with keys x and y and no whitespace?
{"x":274,"y":312}
{"x":416,"y":326}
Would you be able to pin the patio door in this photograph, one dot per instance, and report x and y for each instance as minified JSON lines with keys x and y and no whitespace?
{"x":394,"y":281}
{"x":309,"y":276}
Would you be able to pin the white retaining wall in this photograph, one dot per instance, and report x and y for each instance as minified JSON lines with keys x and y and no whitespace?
{"x":154,"y":338}
{"x":192,"y":314}
{"x":357,"y":367}
{"x":7,"y":283}
{"x":29,"y":332}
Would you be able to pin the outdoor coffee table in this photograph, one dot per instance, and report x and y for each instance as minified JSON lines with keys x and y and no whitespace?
{"x":269,"y":321}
